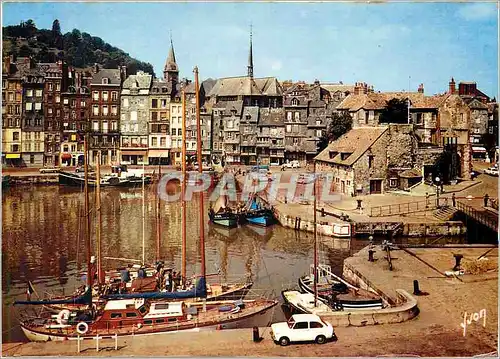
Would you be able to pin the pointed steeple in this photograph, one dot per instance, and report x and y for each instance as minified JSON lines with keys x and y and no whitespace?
{"x":250,"y":57}
{"x":171,"y":71}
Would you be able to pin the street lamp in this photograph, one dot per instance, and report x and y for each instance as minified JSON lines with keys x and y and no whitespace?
{"x":437,"y":191}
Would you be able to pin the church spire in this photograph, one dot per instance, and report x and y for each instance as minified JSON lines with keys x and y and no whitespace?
{"x":171,"y":71}
{"x":250,"y":57}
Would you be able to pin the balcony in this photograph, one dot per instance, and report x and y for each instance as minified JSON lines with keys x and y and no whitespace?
{"x":232,"y":140}
{"x":134,"y":145}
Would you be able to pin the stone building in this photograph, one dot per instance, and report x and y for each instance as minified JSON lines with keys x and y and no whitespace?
{"x":176,"y":132}
{"x":231,"y":132}
{"x":32,"y":123}
{"x":105,"y":114}
{"x":479,"y":127}
{"x":56,"y":82}
{"x":12,"y":103}
{"x":134,"y":118}
{"x":372,"y":160}
{"x":248,"y":139}
{"x":160,"y":141}
{"x":75,"y":112}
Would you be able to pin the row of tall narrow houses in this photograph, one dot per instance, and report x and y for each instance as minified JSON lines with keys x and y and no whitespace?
{"x":136,"y":119}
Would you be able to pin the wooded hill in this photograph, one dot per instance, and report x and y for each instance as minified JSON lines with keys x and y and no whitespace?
{"x":78,"y":49}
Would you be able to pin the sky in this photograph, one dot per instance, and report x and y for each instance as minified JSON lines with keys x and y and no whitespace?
{"x":392,"y":46}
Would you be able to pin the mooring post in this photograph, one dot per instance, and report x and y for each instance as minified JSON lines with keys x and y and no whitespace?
{"x":116,"y":341}
{"x":458,"y":258}
{"x":416,"y":289}
{"x":78,"y":341}
{"x":370,"y":255}
{"x":97,"y":343}
{"x":322,"y":212}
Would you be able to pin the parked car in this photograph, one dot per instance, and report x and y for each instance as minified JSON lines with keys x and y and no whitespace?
{"x":49,"y":170}
{"x":302,"y":328}
{"x":292,"y":164}
{"x":81,"y":168}
{"x":492,"y":171}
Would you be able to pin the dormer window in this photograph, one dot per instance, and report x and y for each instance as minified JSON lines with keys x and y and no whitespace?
{"x":248,"y":116}
{"x":345,"y":155}
{"x":295,"y":102}
{"x":333,"y":154}
{"x":105,"y":81}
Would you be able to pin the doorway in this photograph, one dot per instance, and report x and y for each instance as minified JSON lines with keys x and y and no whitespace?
{"x":375,"y":186}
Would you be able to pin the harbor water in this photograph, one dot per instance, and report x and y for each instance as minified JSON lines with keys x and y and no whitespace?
{"x":43,"y":241}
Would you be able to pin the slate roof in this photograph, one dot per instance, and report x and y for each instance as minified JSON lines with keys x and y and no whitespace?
{"x":476,"y":104}
{"x":411,"y":173}
{"x":271,"y":117}
{"x":159,"y":84}
{"x":112,"y":74}
{"x":142,"y":81}
{"x":357,"y":141}
{"x":378,"y":100}
{"x":227,"y":106}
{"x":246,"y":86}
{"x":333,"y":88}
{"x":303,"y":101}
{"x":253,"y":111}
{"x":50,"y":67}
{"x":207,"y":85}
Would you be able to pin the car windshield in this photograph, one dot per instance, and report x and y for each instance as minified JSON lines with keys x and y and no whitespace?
{"x":291,"y":322}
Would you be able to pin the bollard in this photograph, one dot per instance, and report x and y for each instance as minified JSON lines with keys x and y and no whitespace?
{"x":256,"y":336}
{"x":370,"y":255}
{"x":458,"y":258}
{"x":97,"y":343}
{"x":116,"y":341}
{"x":416,"y":289}
{"x":78,"y":340}
{"x":322,"y":212}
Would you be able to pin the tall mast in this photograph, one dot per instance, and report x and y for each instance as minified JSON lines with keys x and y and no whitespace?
{"x":99,"y":218}
{"x":158,"y":218}
{"x":143,"y":218}
{"x":315,"y":243}
{"x":183,"y":188}
{"x":200,"y":170}
{"x":86,"y":209}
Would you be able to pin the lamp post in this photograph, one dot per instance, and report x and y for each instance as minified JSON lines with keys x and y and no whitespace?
{"x":437,"y":191}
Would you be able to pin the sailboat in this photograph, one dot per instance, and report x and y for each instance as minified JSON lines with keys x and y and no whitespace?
{"x":149,"y":313}
{"x":323,"y":291}
{"x":259,"y":215}
{"x":222,"y":215}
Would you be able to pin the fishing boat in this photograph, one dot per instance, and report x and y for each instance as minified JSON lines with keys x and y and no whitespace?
{"x":222,"y":215}
{"x":112,"y":180}
{"x":258,"y":215}
{"x":339,"y":293}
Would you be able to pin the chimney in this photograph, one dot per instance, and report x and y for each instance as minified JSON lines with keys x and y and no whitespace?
{"x":452,"y":88}
{"x":421,"y":88}
{"x":123,"y":72}
{"x":96,"y":68}
{"x":316,"y":82}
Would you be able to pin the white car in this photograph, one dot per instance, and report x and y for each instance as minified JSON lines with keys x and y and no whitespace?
{"x":492,"y":171}
{"x":49,"y":169}
{"x":302,"y":328}
{"x":292,"y":164}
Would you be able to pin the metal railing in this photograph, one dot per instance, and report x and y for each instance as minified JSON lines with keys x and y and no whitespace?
{"x":479,"y":216}
{"x":403,"y":208}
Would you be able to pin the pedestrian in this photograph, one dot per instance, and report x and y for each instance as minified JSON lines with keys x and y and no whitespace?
{"x":174,"y":281}
{"x":168,"y":281}
{"x":453,"y":199}
{"x":141,"y":273}
{"x":486,"y":197}
{"x":426,"y":199}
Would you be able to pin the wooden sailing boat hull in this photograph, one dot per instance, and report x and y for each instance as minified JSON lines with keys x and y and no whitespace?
{"x":364,"y":301}
{"x":72,"y":179}
{"x":260,"y":318}
{"x":229,"y":220}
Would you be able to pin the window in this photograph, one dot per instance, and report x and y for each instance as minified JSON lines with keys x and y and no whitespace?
{"x":154,"y":141}
{"x":157,"y":321}
{"x":370,"y":161}
{"x":163,"y":142}
{"x":114,"y":95}
{"x":32,"y":159}
{"x":144,"y":141}
{"x":125,"y":102}
{"x":114,"y":126}
{"x":58,"y":99}
{"x":163,"y":103}
{"x":420,"y":118}
{"x":105,"y":81}
{"x":50,"y":86}
{"x":133,"y":116}
{"x":38,"y":93}
{"x":29,"y":93}
{"x":95,"y":95}
{"x":301,"y":325}
{"x":319,"y":133}
{"x":105,"y":95}
{"x":393,"y":182}
{"x":131,"y":315}
{"x":289,"y":115}
{"x":15,"y":136}
{"x":105,"y":110}
{"x":95,"y":126}
{"x":29,"y":106}
{"x":105,"y":126}
{"x":66,"y":101}
{"x":288,"y":128}
{"x":116,"y":315}
{"x":58,"y":86}
{"x":82,"y":103}
{"x":154,"y":103}
{"x":11,"y":96}
{"x":297,"y":116}
{"x":295,"y":141}
{"x":314,"y":325}
{"x":38,"y":106}
{"x":95,"y":110}
{"x":114,"y":110}
{"x":154,"y":116}
{"x":148,"y":322}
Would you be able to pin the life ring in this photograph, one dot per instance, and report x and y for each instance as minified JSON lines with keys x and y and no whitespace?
{"x":63,"y":316}
{"x":79,"y":329}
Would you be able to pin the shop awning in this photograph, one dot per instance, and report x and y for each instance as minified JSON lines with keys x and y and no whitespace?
{"x":134,"y":153}
{"x":158,"y":153}
{"x":478,"y":149}
{"x":66,"y":156}
{"x":13,"y":155}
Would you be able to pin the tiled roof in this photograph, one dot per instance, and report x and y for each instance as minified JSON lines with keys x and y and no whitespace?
{"x":356,"y":142}
{"x":271,"y":117}
{"x":112,"y":74}
{"x":378,"y":100}
{"x":332,"y":88}
{"x":476,"y":104}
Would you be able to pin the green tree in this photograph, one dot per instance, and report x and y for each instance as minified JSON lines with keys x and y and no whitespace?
{"x":25,"y":51}
{"x":395,"y":111}
{"x":340,"y":124}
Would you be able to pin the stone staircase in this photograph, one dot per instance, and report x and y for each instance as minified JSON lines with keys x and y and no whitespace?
{"x":445,"y":213}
